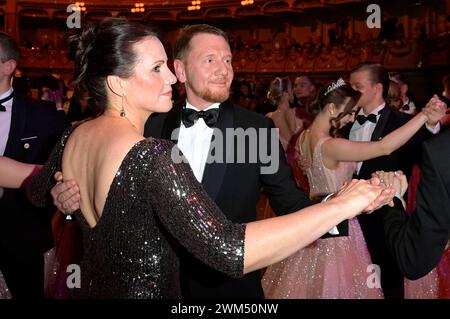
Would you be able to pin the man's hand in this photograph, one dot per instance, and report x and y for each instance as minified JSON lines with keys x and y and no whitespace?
{"x":66,"y":195}
{"x":373,"y":194}
{"x":385,"y":197}
{"x":396,"y":180}
{"x":434,"y":110}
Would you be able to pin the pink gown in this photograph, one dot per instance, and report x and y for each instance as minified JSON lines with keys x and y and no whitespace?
{"x":328,"y":268}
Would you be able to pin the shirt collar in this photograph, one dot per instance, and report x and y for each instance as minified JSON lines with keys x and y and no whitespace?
{"x":7,"y":93}
{"x":7,"y":104}
{"x":212,"y":106}
{"x":376,"y":111}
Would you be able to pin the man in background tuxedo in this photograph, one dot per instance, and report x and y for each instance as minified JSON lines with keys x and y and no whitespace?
{"x":28,"y":131}
{"x":374,"y":120}
{"x":418,"y":242}
{"x":203,"y":63}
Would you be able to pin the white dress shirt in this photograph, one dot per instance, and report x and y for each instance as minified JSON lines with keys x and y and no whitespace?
{"x":364,"y":132}
{"x":195,"y":142}
{"x":5,"y":121}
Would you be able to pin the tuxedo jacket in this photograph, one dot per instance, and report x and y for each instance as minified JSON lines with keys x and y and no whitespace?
{"x":417,"y":242}
{"x":35,"y":128}
{"x":235,"y":187}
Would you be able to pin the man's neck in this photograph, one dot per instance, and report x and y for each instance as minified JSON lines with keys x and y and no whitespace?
{"x":4,"y":87}
{"x":198,"y":103}
{"x":372,"y":106}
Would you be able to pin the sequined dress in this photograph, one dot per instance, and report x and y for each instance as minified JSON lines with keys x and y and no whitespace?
{"x":154,"y":208}
{"x":335,"y":267}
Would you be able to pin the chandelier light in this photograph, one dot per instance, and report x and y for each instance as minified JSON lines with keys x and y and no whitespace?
{"x":138,"y":8}
{"x":196,"y":5}
{"x":79,"y":6}
{"x":246,"y":2}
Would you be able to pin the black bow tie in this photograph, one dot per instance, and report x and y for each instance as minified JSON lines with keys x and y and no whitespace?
{"x":362,"y":119}
{"x":9,"y":97}
{"x":190,"y":116}
{"x":405,"y":107}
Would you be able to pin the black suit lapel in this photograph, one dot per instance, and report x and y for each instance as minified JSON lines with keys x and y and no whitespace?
{"x":173,"y":122}
{"x":381,"y":123}
{"x":18,"y":120}
{"x":377,"y":134}
{"x":214,"y":173}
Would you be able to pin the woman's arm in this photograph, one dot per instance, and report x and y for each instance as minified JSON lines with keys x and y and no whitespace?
{"x":186,"y":211}
{"x":339,"y":149}
{"x":14,"y":173}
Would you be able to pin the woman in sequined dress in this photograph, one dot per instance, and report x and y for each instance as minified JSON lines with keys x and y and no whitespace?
{"x":140,"y":203}
{"x":336,"y":267}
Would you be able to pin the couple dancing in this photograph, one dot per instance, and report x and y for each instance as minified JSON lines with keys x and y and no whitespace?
{"x":139,"y":209}
{"x":341,"y":266}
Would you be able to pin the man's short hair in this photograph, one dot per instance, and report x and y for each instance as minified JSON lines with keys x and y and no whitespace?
{"x":9,"y":48}
{"x":377,"y":74}
{"x":185,"y":35}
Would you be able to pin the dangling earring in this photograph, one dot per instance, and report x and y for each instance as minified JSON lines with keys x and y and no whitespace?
{"x":122,"y":112}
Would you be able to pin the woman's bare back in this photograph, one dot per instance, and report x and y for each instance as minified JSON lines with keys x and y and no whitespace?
{"x":92,"y":157}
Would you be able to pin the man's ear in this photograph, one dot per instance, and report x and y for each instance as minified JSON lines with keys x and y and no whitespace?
{"x":180,"y":70}
{"x":115,"y":84}
{"x":9,"y":67}
{"x":379,"y":87}
{"x":331,"y":107}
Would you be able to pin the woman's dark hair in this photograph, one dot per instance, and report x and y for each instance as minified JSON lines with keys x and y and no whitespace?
{"x":337,"y":94}
{"x":106,"y":49}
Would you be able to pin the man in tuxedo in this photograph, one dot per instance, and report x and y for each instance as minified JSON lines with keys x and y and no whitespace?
{"x":234,"y":178}
{"x":203,"y":63}
{"x":28,"y":131}
{"x":417,"y":242}
{"x":374,"y":120}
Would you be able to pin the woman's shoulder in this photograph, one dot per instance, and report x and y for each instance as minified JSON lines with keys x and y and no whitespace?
{"x":155,"y":147}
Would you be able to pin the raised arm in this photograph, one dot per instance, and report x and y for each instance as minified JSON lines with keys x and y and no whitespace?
{"x":196,"y":222}
{"x":339,"y":149}
{"x":345,"y":150}
{"x":13,"y":174}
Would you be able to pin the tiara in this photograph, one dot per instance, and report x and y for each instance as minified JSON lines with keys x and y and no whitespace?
{"x":335,"y":85}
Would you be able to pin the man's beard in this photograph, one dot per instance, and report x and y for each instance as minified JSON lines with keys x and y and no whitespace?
{"x":217,"y":96}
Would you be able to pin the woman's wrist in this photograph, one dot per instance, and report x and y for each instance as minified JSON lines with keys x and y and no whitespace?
{"x":423,"y":116}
